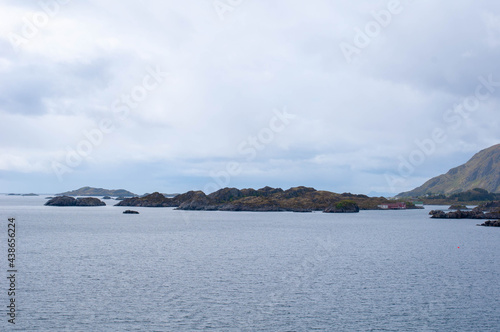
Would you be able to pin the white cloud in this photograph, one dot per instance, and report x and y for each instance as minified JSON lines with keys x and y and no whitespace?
{"x":353,"y":121}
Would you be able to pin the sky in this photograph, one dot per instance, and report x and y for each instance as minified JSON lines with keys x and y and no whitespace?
{"x":368,"y":97}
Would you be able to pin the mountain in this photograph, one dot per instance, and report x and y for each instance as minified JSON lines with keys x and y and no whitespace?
{"x":89,"y":191}
{"x":481,"y":171}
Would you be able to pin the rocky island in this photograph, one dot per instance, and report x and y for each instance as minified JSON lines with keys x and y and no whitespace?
{"x":89,"y":191}
{"x":30,"y":194}
{"x":71,"y":201}
{"x":297,"y":199}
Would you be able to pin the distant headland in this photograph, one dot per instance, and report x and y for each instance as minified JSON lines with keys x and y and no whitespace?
{"x":89,"y":191}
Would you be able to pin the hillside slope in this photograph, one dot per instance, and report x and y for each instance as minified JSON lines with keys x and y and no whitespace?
{"x":481,"y":171}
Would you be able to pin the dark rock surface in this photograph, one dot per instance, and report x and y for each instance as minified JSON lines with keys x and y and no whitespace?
{"x":153,"y":200}
{"x":489,"y":206}
{"x":71,"y":201}
{"x":130,"y":212}
{"x":343,"y":207}
{"x":458,"y":207}
{"x":62,"y":201}
{"x":89,"y":201}
{"x":196,"y":200}
{"x":479,"y":212}
{"x":491,"y":223}
{"x":459,"y":214}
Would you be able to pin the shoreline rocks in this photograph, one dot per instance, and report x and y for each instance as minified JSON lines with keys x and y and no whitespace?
{"x":490,"y":223}
{"x":458,"y":207}
{"x":488,"y":210}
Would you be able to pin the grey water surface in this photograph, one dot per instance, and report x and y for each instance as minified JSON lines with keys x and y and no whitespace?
{"x":96,"y":269}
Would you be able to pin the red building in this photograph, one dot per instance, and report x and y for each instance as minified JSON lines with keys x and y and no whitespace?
{"x":393,"y":206}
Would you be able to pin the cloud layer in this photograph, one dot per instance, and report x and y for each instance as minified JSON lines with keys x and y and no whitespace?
{"x":224,"y":71}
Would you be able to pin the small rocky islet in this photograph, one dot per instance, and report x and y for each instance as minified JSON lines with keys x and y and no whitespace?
{"x":130,"y":212}
{"x":71,"y":201}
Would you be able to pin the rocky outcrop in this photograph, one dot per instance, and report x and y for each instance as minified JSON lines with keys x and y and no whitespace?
{"x":266,"y":191}
{"x":71,"y":201}
{"x":476,"y":213}
{"x":89,"y":201}
{"x":438,"y":214}
{"x":297,"y":192}
{"x":489,"y":206}
{"x":130,"y":212}
{"x":61,"y":201}
{"x":256,"y":204}
{"x":196,"y":200}
{"x":458,"y":207}
{"x":153,"y":200}
{"x":343,"y":207}
{"x":459,"y":214}
{"x":229,"y":194}
{"x":491,"y":223}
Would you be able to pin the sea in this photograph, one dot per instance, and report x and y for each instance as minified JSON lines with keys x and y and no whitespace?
{"x":97,"y":269}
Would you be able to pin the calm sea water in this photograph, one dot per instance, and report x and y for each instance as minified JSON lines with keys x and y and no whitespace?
{"x":96,"y":269}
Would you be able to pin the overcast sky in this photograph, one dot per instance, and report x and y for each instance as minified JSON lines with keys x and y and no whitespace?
{"x":348,"y":96}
